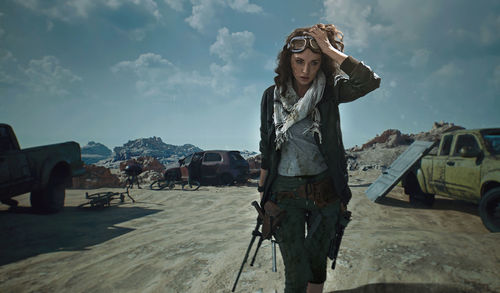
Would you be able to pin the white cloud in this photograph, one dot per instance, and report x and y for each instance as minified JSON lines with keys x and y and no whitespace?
{"x":204,"y":11}
{"x":230,"y":46}
{"x":495,"y":79}
{"x":158,"y":77}
{"x":443,"y":77}
{"x":270,"y":64}
{"x":48,"y":77}
{"x":7,"y":67}
{"x":145,"y":61}
{"x":175,"y":4}
{"x":420,"y":58}
{"x":490,"y":30}
{"x":365,"y":20}
{"x":244,"y":6}
{"x":2,"y":31}
{"x":50,"y":25}
{"x":447,"y":71}
{"x":69,"y":10}
{"x":351,"y":18}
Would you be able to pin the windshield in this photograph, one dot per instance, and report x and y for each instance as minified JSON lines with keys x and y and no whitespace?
{"x":493,"y":142}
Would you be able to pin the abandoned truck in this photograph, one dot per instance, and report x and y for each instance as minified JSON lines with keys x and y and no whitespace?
{"x":211,"y":167}
{"x":466,"y":166}
{"x":45,"y":171}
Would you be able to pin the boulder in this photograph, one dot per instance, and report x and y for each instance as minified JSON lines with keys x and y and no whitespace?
{"x":96,"y":177}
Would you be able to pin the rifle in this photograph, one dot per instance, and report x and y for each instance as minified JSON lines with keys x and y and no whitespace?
{"x":345,"y":218}
{"x":255,"y":233}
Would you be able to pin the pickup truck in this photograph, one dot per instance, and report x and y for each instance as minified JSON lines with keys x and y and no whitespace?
{"x":45,"y":171}
{"x":465,"y":166}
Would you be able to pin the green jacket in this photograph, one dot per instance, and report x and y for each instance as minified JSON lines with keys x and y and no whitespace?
{"x":361,"y":81}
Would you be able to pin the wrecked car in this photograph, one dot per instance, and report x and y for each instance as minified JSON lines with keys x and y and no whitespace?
{"x":465,"y":166}
{"x":45,"y":171}
{"x":211,"y":167}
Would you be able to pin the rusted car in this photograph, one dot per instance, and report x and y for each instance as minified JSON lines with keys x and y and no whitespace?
{"x":211,"y":167}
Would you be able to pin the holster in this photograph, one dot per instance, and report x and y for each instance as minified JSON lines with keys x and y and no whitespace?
{"x":321,"y":192}
{"x":273,"y":215}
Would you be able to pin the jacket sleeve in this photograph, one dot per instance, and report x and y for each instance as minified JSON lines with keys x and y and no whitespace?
{"x":361,"y":81}
{"x":264,"y":137}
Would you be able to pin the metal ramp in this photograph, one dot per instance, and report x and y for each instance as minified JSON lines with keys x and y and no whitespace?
{"x":391,"y":176}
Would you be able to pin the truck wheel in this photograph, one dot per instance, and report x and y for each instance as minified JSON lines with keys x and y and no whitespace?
{"x":489,"y":209}
{"x":417,"y":196}
{"x":51,"y":199}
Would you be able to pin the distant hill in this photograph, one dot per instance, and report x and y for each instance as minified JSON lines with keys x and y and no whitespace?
{"x":94,"y":152}
{"x":153,"y":147}
{"x":167,"y":154}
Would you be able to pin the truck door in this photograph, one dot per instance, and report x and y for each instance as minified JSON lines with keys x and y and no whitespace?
{"x":463,"y":174}
{"x":437,"y":182}
{"x":14,"y":170}
{"x":4,"y":169}
{"x":5,"y":146}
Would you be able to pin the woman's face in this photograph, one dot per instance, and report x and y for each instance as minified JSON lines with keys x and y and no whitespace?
{"x":305,"y":66}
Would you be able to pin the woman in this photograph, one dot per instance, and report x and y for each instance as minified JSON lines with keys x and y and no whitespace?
{"x":303,"y":159}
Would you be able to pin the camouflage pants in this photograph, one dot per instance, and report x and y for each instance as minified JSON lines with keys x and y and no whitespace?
{"x":305,"y":258}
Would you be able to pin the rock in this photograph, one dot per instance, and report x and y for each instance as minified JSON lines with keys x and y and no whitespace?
{"x":381,"y":151}
{"x":153,"y":147}
{"x":96,"y":177}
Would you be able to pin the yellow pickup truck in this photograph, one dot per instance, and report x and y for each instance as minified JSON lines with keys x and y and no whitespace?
{"x":466,"y":166}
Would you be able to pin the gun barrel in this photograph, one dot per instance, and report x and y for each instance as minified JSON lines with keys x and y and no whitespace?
{"x":254,"y":235}
{"x":273,"y":244}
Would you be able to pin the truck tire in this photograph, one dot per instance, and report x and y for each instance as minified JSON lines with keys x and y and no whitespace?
{"x":489,"y":209}
{"x":417,"y":196}
{"x":51,"y":199}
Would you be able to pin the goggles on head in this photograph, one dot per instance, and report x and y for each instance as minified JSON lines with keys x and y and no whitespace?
{"x":300,"y":43}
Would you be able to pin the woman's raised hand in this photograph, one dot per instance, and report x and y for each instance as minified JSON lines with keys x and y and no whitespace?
{"x":321,"y":38}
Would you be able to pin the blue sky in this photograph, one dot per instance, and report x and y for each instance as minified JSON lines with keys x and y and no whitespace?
{"x":193,"y":71}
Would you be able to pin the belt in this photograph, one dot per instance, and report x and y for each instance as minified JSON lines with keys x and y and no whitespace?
{"x":321,"y":192}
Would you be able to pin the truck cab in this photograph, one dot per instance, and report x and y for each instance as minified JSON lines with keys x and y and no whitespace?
{"x":466,"y":162}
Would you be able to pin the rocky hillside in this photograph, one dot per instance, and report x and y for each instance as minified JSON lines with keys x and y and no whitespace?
{"x":153,"y":147}
{"x":94,"y":152}
{"x":382,"y":150}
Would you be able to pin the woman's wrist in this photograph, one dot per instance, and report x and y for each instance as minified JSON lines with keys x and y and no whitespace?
{"x":336,"y":55}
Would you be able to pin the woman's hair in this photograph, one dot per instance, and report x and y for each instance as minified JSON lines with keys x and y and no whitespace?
{"x":329,"y":67}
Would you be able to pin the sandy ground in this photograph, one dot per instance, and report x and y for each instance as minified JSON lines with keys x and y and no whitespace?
{"x":180,"y":241}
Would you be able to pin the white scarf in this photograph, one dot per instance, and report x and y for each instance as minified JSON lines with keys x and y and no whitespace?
{"x":289,"y":109}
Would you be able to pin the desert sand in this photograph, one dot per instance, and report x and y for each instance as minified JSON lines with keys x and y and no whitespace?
{"x":182,"y":241}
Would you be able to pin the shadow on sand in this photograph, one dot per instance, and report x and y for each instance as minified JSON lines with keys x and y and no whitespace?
{"x":411,"y":288}
{"x":26,"y":234}
{"x":439,"y":204}
{"x":360,"y":185}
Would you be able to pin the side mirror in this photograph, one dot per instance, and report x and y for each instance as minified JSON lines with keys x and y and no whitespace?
{"x":469,"y":152}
